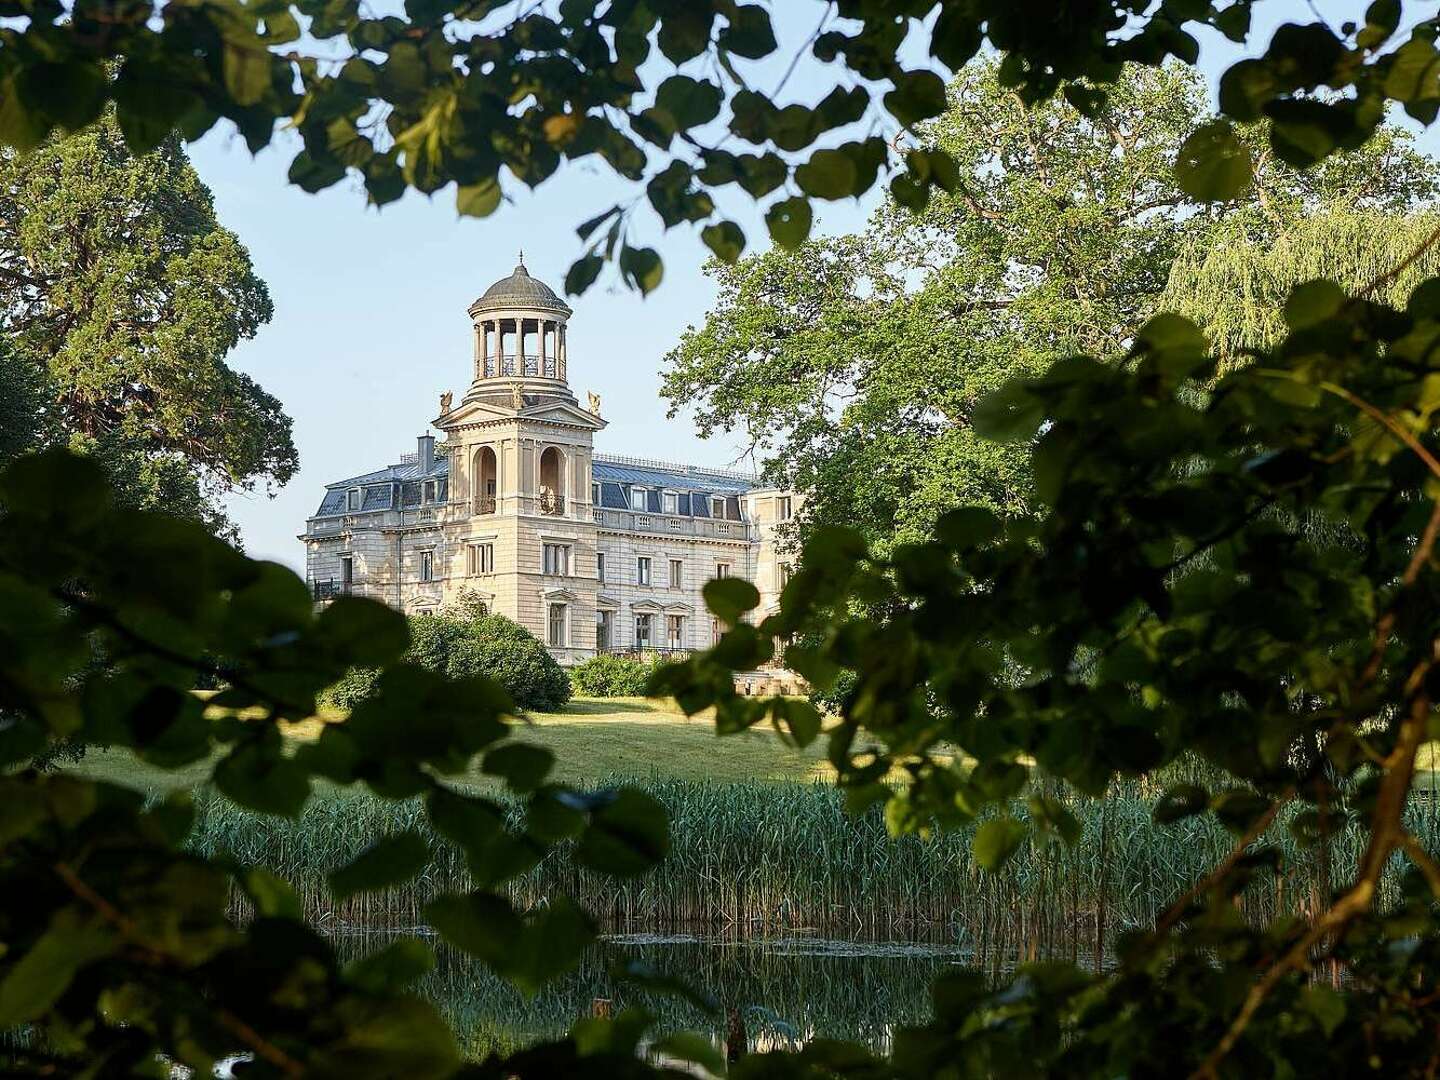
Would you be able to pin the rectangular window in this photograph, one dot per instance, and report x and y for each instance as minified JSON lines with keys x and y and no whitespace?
{"x":602,"y":630}
{"x":428,"y":490}
{"x":642,"y":631}
{"x":427,"y":566}
{"x":782,"y":508}
{"x":557,"y":625}
{"x":677,"y":572}
{"x":786,"y":572}
{"x":352,"y":500}
{"x":557,"y":559}
{"x":716,"y":632}
{"x":717,"y":507}
{"x":637,"y":498}
{"x":642,"y":570}
{"x":347,"y":572}
{"x":600,"y":566}
{"x":595,"y":494}
{"x":674,"y":631}
{"x":722,"y":569}
{"x":672,"y":502}
{"x":481,"y":559}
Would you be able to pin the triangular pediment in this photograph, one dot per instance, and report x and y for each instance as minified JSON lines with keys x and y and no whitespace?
{"x":545,"y":412}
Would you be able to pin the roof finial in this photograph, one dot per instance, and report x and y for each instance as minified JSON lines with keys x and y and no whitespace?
{"x":522,"y":258}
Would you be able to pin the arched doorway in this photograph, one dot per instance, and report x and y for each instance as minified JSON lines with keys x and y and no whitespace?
{"x":552,"y":481}
{"x":486,"y":475}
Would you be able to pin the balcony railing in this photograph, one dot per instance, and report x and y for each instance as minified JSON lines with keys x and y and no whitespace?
{"x":644,"y":652}
{"x":552,"y":504}
{"x":485,"y":504}
{"x":328,"y":590}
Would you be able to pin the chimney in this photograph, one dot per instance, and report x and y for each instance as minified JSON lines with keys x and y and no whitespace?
{"x":426,"y":454}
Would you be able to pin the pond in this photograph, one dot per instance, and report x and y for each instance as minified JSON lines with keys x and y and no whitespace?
{"x":783,"y":990}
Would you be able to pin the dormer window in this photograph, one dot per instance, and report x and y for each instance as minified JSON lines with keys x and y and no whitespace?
{"x":429,"y":492}
{"x":717,"y":507}
{"x":672,"y":502}
{"x":637,"y":498}
{"x":352,"y":499}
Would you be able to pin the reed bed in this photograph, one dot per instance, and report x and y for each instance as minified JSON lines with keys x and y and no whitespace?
{"x":766,"y":858}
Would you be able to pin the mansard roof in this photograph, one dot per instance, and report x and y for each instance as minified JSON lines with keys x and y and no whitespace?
{"x":662,"y":474}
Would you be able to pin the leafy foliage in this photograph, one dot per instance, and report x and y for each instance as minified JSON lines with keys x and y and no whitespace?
{"x":118,"y":942}
{"x":121,"y":296}
{"x":452,"y":94}
{"x":466,"y":644}
{"x":611,"y":675}
{"x":854,"y":366}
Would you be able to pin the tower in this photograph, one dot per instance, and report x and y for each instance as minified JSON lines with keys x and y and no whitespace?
{"x":520,"y":450}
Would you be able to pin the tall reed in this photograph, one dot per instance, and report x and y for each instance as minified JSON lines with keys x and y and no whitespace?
{"x":767,"y":857}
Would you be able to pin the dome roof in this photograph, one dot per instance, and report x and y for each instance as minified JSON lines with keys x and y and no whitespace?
{"x":520,"y":290}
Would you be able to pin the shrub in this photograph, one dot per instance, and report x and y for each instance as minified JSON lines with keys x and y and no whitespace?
{"x":464,"y":646}
{"x":356,"y":685}
{"x":612,"y":676}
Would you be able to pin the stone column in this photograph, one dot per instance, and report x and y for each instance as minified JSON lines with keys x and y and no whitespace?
{"x":540,"y":328}
{"x":561,"y":349}
{"x":479,"y":349}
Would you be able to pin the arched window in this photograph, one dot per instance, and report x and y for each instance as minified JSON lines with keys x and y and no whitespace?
{"x":486,"y":478}
{"x":552,"y":481}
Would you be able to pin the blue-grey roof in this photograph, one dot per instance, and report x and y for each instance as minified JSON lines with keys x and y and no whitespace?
{"x":381,"y":489}
{"x":671,"y":477}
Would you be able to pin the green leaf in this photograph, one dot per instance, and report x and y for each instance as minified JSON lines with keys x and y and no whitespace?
{"x":789,"y":222}
{"x":918,"y":95}
{"x":582,"y":274}
{"x":1180,"y":801}
{"x":1326,"y":1005}
{"x":1010,"y":414}
{"x":263,"y":780}
{"x":361,"y":632}
{"x":392,"y":968}
{"x":247,"y":70}
{"x":730,"y":597}
{"x":385,"y":863}
{"x":272,"y":896}
{"x":996,"y":840}
{"x":479,"y":199}
{"x":627,"y":835}
{"x":749,"y":34}
{"x":725,"y":239}
{"x":1214,"y":165}
{"x":1414,"y":73}
{"x":690,"y":102}
{"x":829,"y":174}
{"x":1313,"y":302}
{"x":40,"y":975}
{"x":641,"y":267}
{"x":693,"y":1047}
{"x":522,"y":766}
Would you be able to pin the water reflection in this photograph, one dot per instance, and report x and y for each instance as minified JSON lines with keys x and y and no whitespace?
{"x":784,"y":991}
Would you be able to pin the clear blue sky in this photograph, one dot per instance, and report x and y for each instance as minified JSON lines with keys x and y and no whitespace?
{"x":370,"y":324}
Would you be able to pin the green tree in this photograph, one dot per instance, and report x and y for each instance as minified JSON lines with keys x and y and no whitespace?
{"x":854,"y":365}
{"x":122,"y":294}
{"x":1066,"y":647}
{"x":1236,"y":285}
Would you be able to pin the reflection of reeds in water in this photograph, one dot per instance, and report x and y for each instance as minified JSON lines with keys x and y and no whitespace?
{"x":765,"y":857}
{"x":786,"y":993}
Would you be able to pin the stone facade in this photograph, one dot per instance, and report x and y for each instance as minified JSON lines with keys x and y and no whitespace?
{"x":589,"y":552}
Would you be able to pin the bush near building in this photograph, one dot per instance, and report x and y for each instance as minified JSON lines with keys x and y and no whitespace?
{"x":612,"y":676}
{"x":463,"y":645}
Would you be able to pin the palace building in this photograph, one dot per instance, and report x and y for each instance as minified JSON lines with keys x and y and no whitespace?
{"x":591,"y":552}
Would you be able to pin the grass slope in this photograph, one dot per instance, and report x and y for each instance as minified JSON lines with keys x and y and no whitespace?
{"x":591,"y":738}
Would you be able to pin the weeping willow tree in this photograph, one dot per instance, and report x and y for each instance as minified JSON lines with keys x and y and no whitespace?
{"x":1234,"y":283}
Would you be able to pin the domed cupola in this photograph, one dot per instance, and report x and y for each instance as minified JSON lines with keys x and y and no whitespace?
{"x":520,"y":334}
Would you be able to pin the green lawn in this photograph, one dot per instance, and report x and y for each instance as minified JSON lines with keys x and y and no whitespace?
{"x":592,"y":738}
